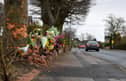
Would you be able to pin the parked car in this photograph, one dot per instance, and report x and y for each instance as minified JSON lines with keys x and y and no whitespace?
{"x":92,"y":45}
{"x":81,"y":46}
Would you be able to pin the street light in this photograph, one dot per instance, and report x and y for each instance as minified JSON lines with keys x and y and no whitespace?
{"x":70,"y":32}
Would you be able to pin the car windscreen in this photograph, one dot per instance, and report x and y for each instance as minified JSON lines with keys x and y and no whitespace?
{"x":92,"y":42}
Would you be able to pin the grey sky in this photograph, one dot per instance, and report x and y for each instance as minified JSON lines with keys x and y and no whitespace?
{"x":95,"y":24}
{"x":1,"y":1}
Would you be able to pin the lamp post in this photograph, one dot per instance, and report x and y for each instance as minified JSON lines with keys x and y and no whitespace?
{"x":70,"y":33}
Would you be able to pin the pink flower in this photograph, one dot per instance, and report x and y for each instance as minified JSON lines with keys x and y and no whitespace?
{"x":25,"y":35}
{"x":10,"y":26}
{"x":7,"y":19}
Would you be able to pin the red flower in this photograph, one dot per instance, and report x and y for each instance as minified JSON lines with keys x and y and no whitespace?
{"x":10,"y":26}
{"x":7,"y":19}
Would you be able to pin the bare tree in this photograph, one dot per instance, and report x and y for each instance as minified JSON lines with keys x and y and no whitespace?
{"x":89,"y":36}
{"x":124,"y":30}
{"x":114,"y":25}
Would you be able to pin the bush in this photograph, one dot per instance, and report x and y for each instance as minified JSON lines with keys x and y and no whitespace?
{"x":106,"y":44}
{"x":122,"y":44}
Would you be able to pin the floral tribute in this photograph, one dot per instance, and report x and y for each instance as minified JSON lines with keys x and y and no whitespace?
{"x":18,"y":30}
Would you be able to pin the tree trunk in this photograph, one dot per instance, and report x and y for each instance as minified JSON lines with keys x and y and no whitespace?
{"x":16,"y":18}
{"x":59,"y":21}
{"x":53,"y":17}
{"x":14,"y":35}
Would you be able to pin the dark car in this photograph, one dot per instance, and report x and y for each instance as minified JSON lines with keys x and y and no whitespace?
{"x":92,"y":45}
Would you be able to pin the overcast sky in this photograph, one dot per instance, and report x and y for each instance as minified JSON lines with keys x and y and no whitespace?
{"x":95,"y":24}
{"x":1,"y":1}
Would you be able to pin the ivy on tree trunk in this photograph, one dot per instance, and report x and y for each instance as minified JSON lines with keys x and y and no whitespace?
{"x":14,"y":35}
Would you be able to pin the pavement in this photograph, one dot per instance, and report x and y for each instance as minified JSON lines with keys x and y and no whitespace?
{"x":81,"y":66}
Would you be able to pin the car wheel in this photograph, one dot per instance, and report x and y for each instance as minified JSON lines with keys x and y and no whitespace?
{"x":97,"y":50}
{"x":86,"y":50}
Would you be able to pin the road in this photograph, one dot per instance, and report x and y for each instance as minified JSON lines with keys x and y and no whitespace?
{"x":79,"y":65}
{"x":114,"y":56}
